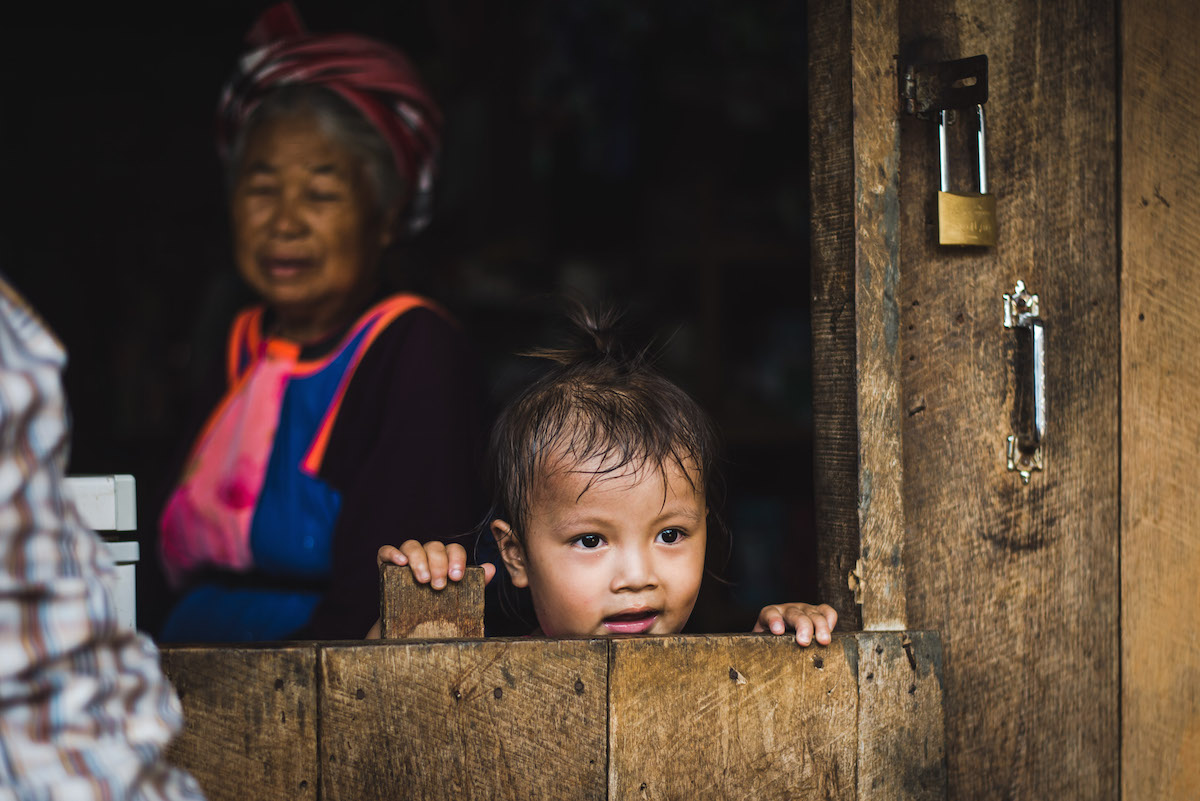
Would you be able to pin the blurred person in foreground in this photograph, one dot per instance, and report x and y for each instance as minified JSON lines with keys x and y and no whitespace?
{"x":85,"y":712}
{"x":350,"y":414}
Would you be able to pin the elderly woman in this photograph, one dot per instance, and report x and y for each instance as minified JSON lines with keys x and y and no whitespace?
{"x":349,"y":419}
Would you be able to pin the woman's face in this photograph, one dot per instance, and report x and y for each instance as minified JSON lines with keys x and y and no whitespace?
{"x":307,"y":230}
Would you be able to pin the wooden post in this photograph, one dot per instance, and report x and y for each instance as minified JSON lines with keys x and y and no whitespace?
{"x":411,"y":609}
{"x":1160,"y":385}
{"x":854,"y":111}
{"x":901,"y":730}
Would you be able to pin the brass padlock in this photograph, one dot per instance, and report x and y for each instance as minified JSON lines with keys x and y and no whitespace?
{"x":965,"y":218}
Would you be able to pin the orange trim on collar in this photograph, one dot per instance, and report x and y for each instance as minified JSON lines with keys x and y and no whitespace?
{"x":383,"y":315}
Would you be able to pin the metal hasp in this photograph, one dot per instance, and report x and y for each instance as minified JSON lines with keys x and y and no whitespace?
{"x":1021,"y":313}
{"x":944,"y":85}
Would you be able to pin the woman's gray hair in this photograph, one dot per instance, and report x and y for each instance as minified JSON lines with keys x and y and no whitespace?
{"x":339,"y":120}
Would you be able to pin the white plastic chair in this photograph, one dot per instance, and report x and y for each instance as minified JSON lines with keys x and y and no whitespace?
{"x":109,"y":504}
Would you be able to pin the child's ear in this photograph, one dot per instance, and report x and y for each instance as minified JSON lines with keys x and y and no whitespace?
{"x":511,"y":552}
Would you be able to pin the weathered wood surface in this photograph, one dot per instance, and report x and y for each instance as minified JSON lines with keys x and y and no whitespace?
{"x":731,"y":717}
{"x":900,"y":704}
{"x":490,"y":719}
{"x":734,"y":716}
{"x":835,"y":405}
{"x":410,"y":609}
{"x":250,"y":720}
{"x":1160,"y":364}
{"x":1021,"y":581}
{"x":873,"y":47}
{"x":853,"y":153}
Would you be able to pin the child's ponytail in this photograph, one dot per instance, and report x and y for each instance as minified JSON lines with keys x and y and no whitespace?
{"x":594,"y":337}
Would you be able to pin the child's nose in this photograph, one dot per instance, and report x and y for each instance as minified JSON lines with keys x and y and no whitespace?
{"x":635,"y":571}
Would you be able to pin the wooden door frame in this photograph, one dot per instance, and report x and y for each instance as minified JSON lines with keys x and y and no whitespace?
{"x":1058,"y":73}
{"x":1160,"y":387}
{"x":855,"y":157}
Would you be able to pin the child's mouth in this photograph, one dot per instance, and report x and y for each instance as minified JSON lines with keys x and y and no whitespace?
{"x":633,"y":621}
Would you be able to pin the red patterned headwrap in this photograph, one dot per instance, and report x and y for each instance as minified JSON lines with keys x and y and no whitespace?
{"x":375,"y":78}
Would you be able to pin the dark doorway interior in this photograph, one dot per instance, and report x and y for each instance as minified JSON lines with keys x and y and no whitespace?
{"x":652,"y":154}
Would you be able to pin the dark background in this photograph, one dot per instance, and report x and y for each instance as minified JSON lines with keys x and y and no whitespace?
{"x":649,"y":154}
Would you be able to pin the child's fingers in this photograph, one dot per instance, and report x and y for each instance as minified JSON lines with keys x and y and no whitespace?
{"x":798,"y":618}
{"x":418,"y":560}
{"x":771,"y":619}
{"x":820,"y":626}
{"x":830,"y":615}
{"x":375,"y":632}
{"x":390,"y":555}
{"x":439,"y":564}
{"x":456,"y":561}
{"x":489,"y":572}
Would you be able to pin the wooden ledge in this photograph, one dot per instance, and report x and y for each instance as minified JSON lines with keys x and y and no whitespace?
{"x":689,"y":716}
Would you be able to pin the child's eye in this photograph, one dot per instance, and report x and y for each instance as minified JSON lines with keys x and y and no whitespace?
{"x":670,"y":535}
{"x":589,"y":540}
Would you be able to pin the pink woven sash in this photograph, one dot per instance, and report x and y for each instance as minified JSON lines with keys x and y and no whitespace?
{"x":207,"y":519}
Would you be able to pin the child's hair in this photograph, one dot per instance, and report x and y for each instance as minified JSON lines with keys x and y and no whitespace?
{"x":597,"y":400}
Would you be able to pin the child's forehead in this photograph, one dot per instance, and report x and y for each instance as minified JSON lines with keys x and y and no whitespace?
{"x":564,"y":476}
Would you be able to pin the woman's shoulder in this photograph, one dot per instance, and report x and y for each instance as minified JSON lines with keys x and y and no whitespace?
{"x":415,"y":325}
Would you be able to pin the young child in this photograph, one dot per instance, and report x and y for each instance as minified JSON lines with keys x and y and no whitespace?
{"x":601,"y":474}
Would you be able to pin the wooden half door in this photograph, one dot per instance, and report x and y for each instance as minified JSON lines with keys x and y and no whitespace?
{"x":924,"y":525}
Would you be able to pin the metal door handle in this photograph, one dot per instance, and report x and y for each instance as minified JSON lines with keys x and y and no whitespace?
{"x":1022,"y":313}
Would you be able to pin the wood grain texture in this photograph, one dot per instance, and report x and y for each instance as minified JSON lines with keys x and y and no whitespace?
{"x":874,"y":45}
{"x":250,"y":722}
{"x":734,"y":717}
{"x":901,"y":742}
{"x":835,"y":404}
{"x":482,"y":719}
{"x":1021,"y":581}
{"x":1160,"y":363}
{"x":856,"y":275}
{"x":410,"y":609}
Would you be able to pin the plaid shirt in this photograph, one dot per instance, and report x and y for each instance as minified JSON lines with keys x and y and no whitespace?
{"x":85,"y":712}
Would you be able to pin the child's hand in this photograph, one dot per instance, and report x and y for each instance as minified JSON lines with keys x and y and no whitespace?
{"x":806,"y":619}
{"x":432,"y":562}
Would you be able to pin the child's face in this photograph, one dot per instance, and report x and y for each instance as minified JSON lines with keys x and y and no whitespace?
{"x":624,"y":555}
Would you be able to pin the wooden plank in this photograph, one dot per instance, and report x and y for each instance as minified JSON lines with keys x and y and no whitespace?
{"x":1160,"y":430}
{"x":874,"y":45}
{"x":856,"y":275}
{"x":853,"y":108}
{"x":249,"y":720}
{"x":410,"y":609}
{"x":835,"y":405}
{"x":1020,"y":580}
{"x":740,"y":716}
{"x":901,"y":732}
{"x":481,"y":719}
